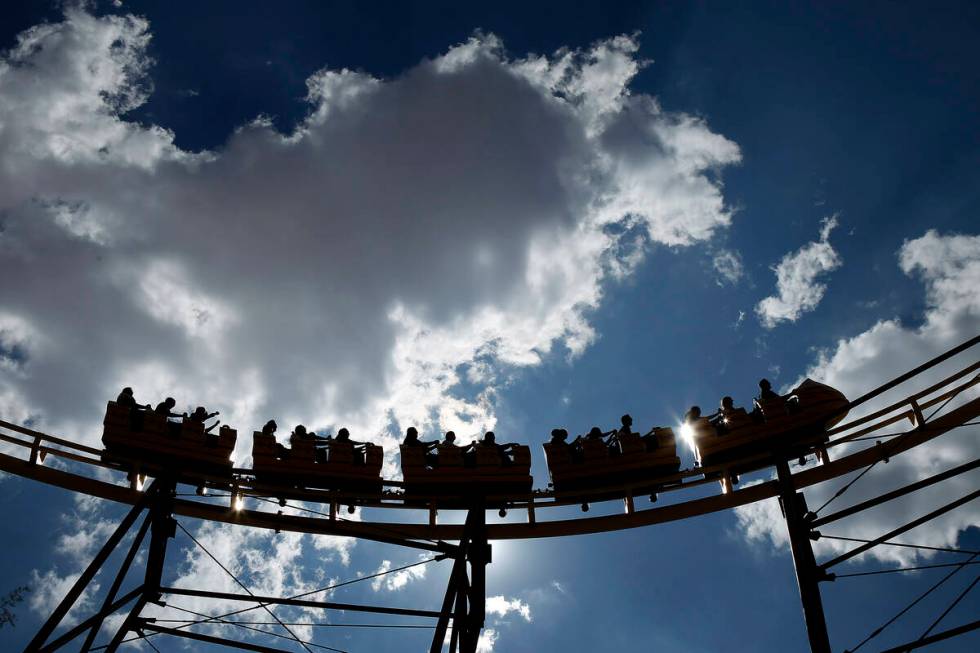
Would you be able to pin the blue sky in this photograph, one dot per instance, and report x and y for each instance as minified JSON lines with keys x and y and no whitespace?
{"x":423,"y":195}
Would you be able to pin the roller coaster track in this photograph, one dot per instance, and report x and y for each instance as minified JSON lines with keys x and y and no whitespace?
{"x":911,"y":409}
{"x":877,"y":435}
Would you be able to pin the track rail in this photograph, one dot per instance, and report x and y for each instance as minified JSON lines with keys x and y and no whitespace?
{"x":83,"y":471}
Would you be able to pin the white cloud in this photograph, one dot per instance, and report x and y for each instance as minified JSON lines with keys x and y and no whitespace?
{"x":267,"y":563}
{"x":728,"y":265}
{"x":85,"y":531}
{"x":502,"y":606}
{"x":457,"y":221}
{"x":485,"y":644}
{"x":48,"y":590}
{"x":488,"y":639}
{"x":166,"y":294}
{"x":338,"y":544}
{"x":949,"y":266}
{"x":449,"y":223}
{"x":17,"y":343}
{"x":796,"y":279}
{"x":64,"y":85}
{"x":394,"y":581}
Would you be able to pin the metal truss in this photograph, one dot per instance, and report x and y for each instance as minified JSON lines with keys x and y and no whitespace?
{"x":463,"y":607}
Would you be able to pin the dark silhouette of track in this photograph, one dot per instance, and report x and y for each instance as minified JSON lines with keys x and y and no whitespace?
{"x":30,"y":449}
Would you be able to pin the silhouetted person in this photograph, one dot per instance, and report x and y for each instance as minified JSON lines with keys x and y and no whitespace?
{"x":201,"y":415}
{"x":343,"y":448}
{"x":627,"y":425}
{"x":489,"y":441}
{"x":726,"y":407}
{"x":559,"y":441}
{"x":165,"y":408}
{"x":765,"y":390}
{"x":595,"y":433}
{"x":269,"y":428}
{"x":412,"y":439}
{"x":583,"y":447}
{"x":692,"y":415}
{"x":626,"y":429}
{"x":446,"y":452}
{"x":127,"y":399}
{"x":726,"y":413}
{"x":559,"y":437}
{"x":300,"y":434}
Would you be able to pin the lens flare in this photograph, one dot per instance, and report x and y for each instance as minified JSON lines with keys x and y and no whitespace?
{"x":687,"y":435}
{"x":238,"y":503}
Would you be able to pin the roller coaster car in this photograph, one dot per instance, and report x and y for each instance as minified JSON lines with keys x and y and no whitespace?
{"x":636,"y":462}
{"x":157,"y":443}
{"x":458,"y":475}
{"x":789,"y":426}
{"x":334,"y":465}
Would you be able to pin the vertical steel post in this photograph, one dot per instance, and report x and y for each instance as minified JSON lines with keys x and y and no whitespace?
{"x":465,"y":600}
{"x":473,"y":592}
{"x":479,"y":555}
{"x":162,"y":528}
{"x":807,"y":573}
{"x":451,"y":597}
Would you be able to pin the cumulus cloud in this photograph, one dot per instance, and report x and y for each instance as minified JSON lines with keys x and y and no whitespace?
{"x":797,"y":277}
{"x":502,"y":606}
{"x":949,"y":267}
{"x":454,"y":222}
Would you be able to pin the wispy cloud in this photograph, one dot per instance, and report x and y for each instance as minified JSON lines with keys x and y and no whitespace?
{"x":728,"y":265}
{"x":396,"y":580}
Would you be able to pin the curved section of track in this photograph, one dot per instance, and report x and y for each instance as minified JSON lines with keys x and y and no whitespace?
{"x":849,"y":438}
